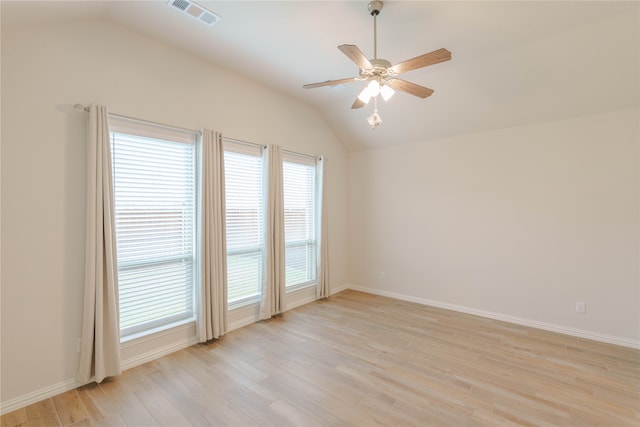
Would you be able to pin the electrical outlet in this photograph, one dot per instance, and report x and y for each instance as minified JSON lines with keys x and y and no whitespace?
{"x":581,"y":307}
{"x":381,"y":275}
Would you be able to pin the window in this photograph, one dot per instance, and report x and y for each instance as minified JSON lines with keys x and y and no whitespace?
{"x":245,"y":222}
{"x":154,"y":177}
{"x":300,"y":220}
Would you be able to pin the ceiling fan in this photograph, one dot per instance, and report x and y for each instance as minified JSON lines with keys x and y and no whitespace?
{"x":381,"y":75}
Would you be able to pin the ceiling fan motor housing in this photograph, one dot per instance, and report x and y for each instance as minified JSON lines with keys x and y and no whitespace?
{"x":375,"y":7}
{"x":380,"y":68}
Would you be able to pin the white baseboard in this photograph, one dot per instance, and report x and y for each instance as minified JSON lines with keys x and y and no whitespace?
{"x":580,"y":333}
{"x":70,"y":384}
{"x":38,"y":395}
{"x":302,"y":301}
{"x":240,"y":323}
{"x":157,"y":353}
{"x":250,"y":314}
{"x":344,"y":287}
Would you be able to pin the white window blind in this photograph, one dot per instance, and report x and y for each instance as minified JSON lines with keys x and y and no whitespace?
{"x":245,"y":222}
{"x":300,"y":220}
{"x":155,"y":199}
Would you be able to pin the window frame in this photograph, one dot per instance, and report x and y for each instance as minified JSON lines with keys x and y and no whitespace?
{"x":152,"y":131}
{"x":259,"y":151}
{"x":311,"y":161}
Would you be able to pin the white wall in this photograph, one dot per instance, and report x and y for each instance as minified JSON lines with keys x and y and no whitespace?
{"x":521,"y":222}
{"x":47,"y":69}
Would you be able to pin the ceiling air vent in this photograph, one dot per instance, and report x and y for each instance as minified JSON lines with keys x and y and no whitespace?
{"x":195,"y":11}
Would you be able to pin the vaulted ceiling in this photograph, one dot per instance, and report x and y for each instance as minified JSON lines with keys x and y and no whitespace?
{"x":513,"y":63}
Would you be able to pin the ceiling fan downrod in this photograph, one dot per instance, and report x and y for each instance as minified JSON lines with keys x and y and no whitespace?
{"x":374,"y":8}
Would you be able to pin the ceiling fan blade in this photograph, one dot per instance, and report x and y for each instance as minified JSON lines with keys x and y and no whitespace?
{"x":410,"y":88}
{"x":355,"y":54}
{"x":430,"y":58}
{"x":330,"y":83}
{"x":357,"y":104}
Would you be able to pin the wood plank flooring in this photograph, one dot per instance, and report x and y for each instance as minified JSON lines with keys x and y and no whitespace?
{"x":364,"y":360}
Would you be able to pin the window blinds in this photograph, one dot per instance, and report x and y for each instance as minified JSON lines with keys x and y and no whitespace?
{"x":245,"y":222}
{"x":299,"y":180}
{"x":154,"y":192}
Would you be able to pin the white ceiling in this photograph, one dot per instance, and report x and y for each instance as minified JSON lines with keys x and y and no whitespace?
{"x":513,"y":62}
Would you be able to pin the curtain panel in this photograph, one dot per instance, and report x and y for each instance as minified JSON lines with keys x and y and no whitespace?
{"x":100,"y":342}
{"x":323,"y":290}
{"x":212,"y":317}
{"x":273,"y":287}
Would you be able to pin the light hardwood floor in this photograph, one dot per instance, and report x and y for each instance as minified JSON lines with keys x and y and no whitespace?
{"x":364,"y":360}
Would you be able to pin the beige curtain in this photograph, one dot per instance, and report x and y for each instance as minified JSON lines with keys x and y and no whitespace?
{"x":323,"y":250}
{"x":213,"y":310}
{"x":100,"y":343}
{"x":273,"y":287}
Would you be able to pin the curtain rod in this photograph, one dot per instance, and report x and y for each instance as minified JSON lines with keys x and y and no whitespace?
{"x":295,"y":153}
{"x":264,"y":146}
{"x":239,"y":141}
{"x":135,"y":119}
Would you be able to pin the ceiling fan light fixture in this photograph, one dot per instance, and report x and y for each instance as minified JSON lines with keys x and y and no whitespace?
{"x":386,"y":92}
{"x":373,"y":88}
{"x":365,"y":96}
